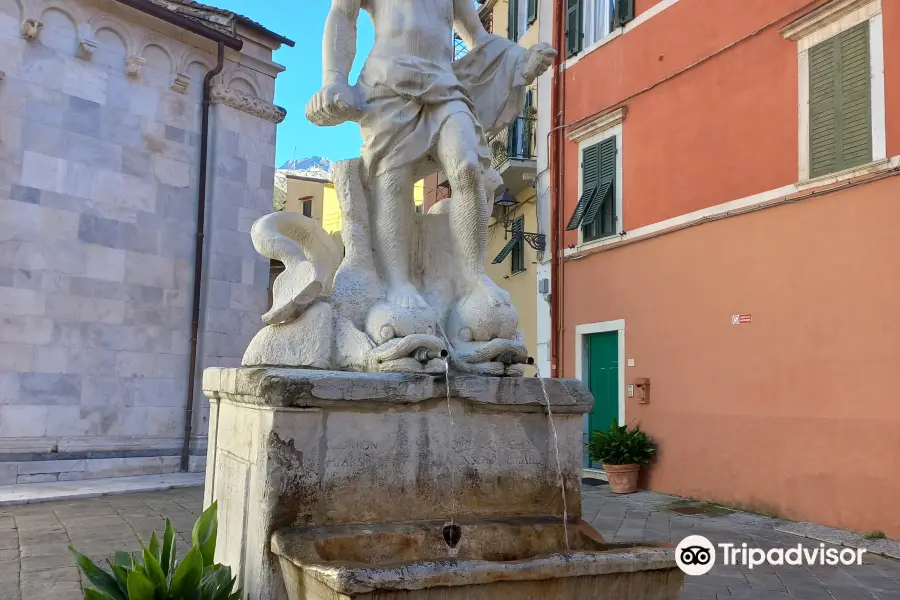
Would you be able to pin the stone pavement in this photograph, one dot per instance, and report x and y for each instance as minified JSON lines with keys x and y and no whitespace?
{"x":35,"y":563}
{"x":648,"y":516}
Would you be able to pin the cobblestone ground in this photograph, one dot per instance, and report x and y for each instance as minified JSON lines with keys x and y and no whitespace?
{"x":35,"y":563}
{"x":647,"y":516}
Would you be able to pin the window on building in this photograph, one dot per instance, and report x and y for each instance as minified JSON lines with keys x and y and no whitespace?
{"x":840,"y":102}
{"x":512,"y":24}
{"x":589,"y":21}
{"x":515,"y":247}
{"x":532,"y":12}
{"x":842,"y":116}
{"x":521,"y":15}
{"x":307,"y":206}
{"x":595,"y":212}
{"x":517,"y":264}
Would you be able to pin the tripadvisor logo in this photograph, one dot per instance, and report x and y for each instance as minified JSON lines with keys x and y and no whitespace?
{"x":696,"y":555}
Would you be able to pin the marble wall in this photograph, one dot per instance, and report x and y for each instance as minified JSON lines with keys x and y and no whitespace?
{"x":99,"y":153}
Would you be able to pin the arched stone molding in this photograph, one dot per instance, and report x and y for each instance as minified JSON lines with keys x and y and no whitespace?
{"x":240,"y":84}
{"x":31,"y":10}
{"x":106,"y":22}
{"x":149,"y":40}
{"x":73,"y":12}
{"x":183,"y":78}
{"x":20,"y":10}
{"x":117,"y":26}
{"x":194,"y":55}
{"x":239,"y":72}
{"x":152,"y":39}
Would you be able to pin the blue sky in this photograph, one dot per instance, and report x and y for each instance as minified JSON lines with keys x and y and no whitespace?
{"x":303,"y":21}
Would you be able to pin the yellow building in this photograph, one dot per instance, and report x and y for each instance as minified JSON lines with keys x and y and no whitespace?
{"x":317,"y":199}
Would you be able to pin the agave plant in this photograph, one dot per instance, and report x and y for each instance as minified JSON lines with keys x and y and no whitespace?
{"x":156,"y":575}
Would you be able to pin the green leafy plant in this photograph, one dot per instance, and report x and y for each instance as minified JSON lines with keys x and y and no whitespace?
{"x":621,"y":446}
{"x":875,"y":535}
{"x":156,"y":575}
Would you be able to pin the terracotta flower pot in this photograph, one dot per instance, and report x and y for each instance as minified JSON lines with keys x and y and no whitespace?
{"x":622,"y":478}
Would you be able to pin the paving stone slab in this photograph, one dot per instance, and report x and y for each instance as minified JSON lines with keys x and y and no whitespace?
{"x":841,"y":537}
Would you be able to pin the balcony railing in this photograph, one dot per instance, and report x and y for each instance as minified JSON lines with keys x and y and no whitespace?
{"x":459,"y":47}
{"x":516,"y":142}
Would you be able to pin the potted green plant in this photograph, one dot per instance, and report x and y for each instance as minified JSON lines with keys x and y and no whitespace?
{"x":621,"y":451}
{"x":155,"y":574}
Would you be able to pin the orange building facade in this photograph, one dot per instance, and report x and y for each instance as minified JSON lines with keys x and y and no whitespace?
{"x":725,"y":242}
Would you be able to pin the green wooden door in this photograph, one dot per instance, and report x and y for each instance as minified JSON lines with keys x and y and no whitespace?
{"x":603,"y":380}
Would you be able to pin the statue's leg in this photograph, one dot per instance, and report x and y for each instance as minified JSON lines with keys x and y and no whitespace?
{"x":469,"y":212}
{"x":392,"y":214}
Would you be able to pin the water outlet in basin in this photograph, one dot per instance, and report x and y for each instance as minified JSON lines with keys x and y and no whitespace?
{"x":511,"y":358}
{"x":452,"y":534}
{"x":423,"y":355}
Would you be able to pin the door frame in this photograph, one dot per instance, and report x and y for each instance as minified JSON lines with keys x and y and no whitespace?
{"x":581,"y":362}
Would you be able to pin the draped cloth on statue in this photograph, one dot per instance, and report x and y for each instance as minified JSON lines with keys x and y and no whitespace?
{"x":405,"y":101}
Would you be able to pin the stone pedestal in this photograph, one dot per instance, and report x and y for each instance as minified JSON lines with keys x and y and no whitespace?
{"x":303,"y":448}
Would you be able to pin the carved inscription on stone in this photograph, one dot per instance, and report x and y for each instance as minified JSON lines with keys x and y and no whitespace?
{"x":353,"y":455}
{"x":483,"y":450}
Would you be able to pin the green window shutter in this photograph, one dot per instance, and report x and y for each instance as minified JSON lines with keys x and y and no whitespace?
{"x":856,"y":97}
{"x":840,"y":111}
{"x":823,"y":114}
{"x":604,"y":192}
{"x":512,"y":26}
{"x":518,"y":233}
{"x":590,"y":180}
{"x":532,"y":11}
{"x":600,"y":216}
{"x":517,"y":264}
{"x":624,"y":12}
{"x":574,"y":27}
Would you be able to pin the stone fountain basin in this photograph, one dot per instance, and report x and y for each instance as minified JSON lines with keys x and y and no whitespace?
{"x":521,"y":558}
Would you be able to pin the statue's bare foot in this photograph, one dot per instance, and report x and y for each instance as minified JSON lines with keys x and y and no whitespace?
{"x":406,"y":296}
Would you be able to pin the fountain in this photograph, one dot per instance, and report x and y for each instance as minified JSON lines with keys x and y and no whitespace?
{"x":380,"y":440}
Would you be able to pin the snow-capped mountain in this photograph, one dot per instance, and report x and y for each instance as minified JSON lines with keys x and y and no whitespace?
{"x":314,"y":166}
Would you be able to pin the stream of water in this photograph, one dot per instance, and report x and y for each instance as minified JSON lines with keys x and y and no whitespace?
{"x":452,"y":532}
{"x":559,"y":474}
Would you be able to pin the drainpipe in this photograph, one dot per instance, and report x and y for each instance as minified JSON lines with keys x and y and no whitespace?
{"x":198,"y":254}
{"x":556,"y":201}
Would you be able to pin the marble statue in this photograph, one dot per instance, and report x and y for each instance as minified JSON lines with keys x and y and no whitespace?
{"x":409,"y":286}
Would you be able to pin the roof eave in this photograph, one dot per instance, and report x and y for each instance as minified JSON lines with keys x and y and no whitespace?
{"x":250,"y":24}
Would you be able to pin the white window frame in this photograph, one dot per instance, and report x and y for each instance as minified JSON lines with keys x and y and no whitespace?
{"x":614,"y":129}
{"x":813,"y":29}
{"x":597,"y":21}
{"x":581,"y":360}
